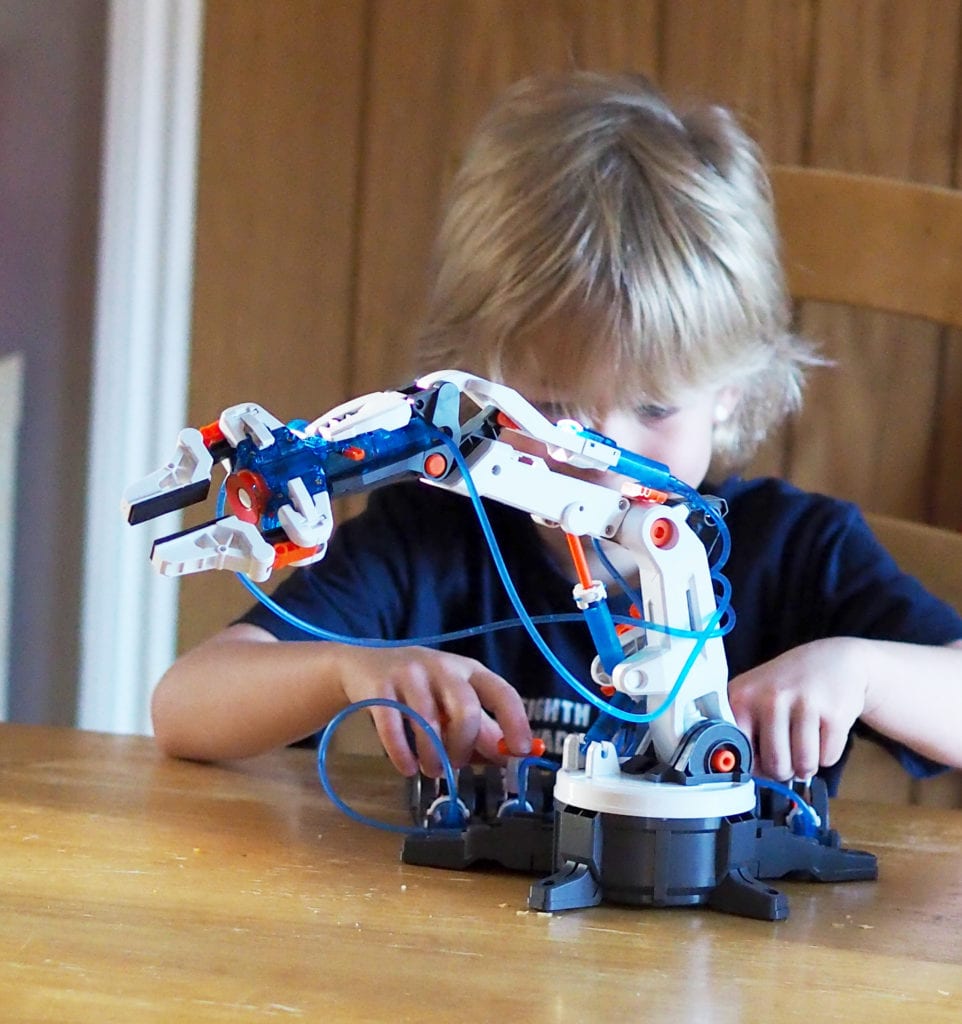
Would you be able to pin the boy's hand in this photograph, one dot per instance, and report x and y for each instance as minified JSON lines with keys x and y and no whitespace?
{"x":453,"y":693}
{"x":797,"y":709}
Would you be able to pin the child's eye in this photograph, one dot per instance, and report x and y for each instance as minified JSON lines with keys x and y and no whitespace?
{"x":656,"y":412}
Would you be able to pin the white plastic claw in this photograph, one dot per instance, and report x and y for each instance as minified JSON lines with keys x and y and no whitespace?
{"x":228,"y":543}
{"x":191,"y":464}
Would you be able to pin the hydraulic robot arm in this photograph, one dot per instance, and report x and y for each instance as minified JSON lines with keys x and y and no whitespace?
{"x":688,"y":779}
{"x":282,"y":479}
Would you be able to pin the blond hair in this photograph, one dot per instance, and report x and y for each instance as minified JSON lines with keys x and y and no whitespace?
{"x":585,"y":200}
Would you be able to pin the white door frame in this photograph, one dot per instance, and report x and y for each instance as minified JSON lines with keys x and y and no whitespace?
{"x":141,"y":347}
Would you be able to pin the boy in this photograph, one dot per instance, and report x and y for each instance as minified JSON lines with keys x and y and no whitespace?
{"x":613,"y":261}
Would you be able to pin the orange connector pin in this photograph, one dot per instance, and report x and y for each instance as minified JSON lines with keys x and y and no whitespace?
{"x":211,"y":433}
{"x":723,"y":760}
{"x":287,"y":552}
{"x":435,"y":465}
{"x":638,"y":492}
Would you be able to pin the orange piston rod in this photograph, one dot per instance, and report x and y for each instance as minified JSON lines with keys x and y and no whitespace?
{"x":580,"y":559}
{"x":635,"y":492}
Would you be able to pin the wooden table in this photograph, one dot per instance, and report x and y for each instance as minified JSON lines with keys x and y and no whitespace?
{"x":138,"y":889}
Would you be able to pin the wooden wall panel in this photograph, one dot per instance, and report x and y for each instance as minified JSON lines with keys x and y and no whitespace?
{"x":947,"y":444}
{"x":881,"y":106}
{"x":275,"y":257}
{"x":754,"y":57}
{"x":946,"y":463}
{"x":435,"y":67}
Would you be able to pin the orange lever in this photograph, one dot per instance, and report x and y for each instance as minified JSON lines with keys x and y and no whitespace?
{"x":537,"y":748}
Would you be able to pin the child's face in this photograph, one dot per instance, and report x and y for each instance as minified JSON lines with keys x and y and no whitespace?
{"x":679,"y":435}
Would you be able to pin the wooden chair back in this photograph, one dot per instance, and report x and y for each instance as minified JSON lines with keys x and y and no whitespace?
{"x":875,"y":243}
{"x":894,"y":247}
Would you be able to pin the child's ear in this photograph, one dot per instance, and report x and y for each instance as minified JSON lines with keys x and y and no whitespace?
{"x":726,"y":401}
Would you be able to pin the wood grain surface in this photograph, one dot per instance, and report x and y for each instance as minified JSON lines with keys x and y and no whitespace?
{"x":134,"y":888}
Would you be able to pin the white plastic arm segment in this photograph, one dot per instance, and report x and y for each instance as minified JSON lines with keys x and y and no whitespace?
{"x":675,"y":580}
{"x":380,"y":410}
{"x":307,"y":520}
{"x":564,"y":444}
{"x":226,"y":544}
{"x":190,"y":464}
{"x":248,"y":420}
{"x":527,"y":482}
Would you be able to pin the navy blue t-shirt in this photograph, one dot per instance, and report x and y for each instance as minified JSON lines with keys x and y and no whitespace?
{"x":415,"y":564}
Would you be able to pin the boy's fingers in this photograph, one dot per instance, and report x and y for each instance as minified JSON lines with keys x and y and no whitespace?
{"x":489,"y":736}
{"x":461,"y":726}
{"x":805,"y":736}
{"x":390,"y":730}
{"x":504,"y":702}
{"x":416,"y":694}
{"x":744,"y":722}
{"x":833,"y":742}
{"x":774,"y":746}
{"x":427,"y":753}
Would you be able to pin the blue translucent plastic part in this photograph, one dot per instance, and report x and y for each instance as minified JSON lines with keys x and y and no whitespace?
{"x":339,"y":467}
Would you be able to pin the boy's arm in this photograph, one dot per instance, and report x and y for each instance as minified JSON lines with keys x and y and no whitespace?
{"x":242,"y":693}
{"x":914,"y":695}
{"x":798,"y":708}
